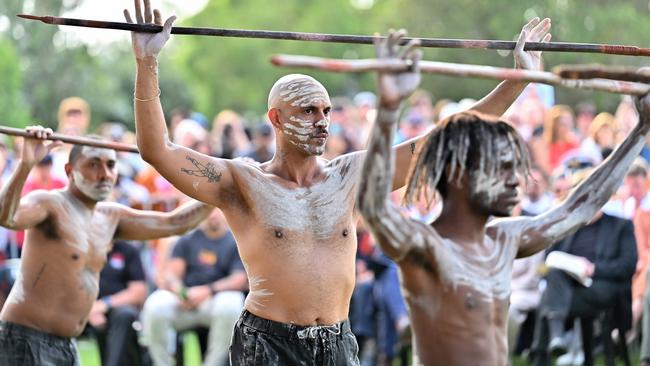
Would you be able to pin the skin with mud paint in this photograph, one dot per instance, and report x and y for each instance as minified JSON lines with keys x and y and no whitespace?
{"x":69,"y":233}
{"x":456,"y":272}
{"x":293,"y":217}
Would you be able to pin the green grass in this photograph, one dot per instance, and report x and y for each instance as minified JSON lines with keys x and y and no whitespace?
{"x":89,"y":353}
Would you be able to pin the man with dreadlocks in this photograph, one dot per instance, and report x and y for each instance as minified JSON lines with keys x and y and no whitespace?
{"x":456,"y":272}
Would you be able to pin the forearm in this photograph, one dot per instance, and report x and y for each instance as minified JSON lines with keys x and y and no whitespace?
{"x":133,"y":295}
{"x":501,"y":98}
{"x":376,"y":184}
{"x":11,"y":193}
{"x":187,"y":217}
{"x":234,"y":282}
{"x":151,"y":131}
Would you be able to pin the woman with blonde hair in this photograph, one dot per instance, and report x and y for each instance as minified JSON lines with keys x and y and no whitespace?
{"x":559,"y":136}
{"x":601,"y":136}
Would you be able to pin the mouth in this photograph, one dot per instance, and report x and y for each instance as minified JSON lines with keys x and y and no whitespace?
{"x":320,"y":135}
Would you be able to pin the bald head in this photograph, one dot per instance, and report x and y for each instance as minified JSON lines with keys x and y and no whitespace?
{"x":298,"y":90}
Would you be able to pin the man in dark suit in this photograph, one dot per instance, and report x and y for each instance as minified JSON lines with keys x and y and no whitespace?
{"x":607,"y":248}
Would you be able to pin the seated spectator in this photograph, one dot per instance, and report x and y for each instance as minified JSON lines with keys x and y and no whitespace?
{"x":205,"y":280}
{"x":558,"y":136}
{"x":607,"y":248}
{"x":122,"y":291}
{"x":263,"y":144}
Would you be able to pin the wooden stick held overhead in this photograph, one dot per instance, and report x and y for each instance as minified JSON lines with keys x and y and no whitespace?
{"x":602,"y":72}
{"x":452,"y":69}
{"x":76,"y":140}
{"x":343,"y":38}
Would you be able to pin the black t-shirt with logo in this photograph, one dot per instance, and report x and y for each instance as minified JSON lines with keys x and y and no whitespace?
{"x":207,"y":260}
{"x":123,"y":265}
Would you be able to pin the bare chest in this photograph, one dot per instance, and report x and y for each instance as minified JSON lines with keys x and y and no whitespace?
{"x":320,"y":209}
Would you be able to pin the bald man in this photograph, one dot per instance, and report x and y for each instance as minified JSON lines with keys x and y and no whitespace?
{"x":68,"y":233}
{"x":293,"y":217}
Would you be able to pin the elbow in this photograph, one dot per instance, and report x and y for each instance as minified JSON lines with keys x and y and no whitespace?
{"x":152,"y":150}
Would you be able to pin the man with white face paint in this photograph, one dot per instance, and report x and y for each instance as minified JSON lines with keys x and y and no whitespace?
{"x":68,"y":234}
{"x":456,"y":272}
{"x":293,"y":217}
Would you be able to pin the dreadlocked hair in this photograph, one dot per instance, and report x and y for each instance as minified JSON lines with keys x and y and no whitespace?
{"x":462,"y":142}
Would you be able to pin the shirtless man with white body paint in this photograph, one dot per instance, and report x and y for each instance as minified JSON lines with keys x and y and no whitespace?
{"x":456,"y":272}
{"x":293,"y":217}
{"x":68,"y":234}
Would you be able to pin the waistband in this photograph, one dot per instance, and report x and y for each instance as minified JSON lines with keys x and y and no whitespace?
{"x":288,"y":330}
{"x":17,"y":330}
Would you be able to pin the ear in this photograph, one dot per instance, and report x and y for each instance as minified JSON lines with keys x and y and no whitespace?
{"x":274,"y":117}
{"x":68,"y":170}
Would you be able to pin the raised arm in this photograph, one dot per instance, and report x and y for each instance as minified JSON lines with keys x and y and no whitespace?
{"x":497,"y":101}
{"x":197,"y":175}
{"x":395,"y":233}
{"x":145,"y":225}
{"x":587,"y":198}
{"x":25,"y":213}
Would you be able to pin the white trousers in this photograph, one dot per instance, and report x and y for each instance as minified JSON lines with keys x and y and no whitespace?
{"x":162,"y":317}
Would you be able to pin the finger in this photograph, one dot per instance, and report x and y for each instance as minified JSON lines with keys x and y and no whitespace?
{"x":127,"y":16}
{"x":407,"y":50}
{"x":157,"y":18}
{"x":547,"y":38}
{"x":399,"y":36}
{"x":138,"y":12}
{"x":53,"y":145}
{"x":378,"y":42}
{"x":167,"y":28}
{"x":147,"y":11}
{"x":390,"y":40}
{"x":519,"y":47}
{"x":531,"y":24}
{"x":416,"y":56}
{"x":541,"y":29}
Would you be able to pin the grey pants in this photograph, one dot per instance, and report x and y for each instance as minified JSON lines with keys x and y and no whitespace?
{"x":24,"y":346}
{"x":258,"y":341}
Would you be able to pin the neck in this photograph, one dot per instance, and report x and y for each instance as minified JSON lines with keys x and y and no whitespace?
{"x":213,"y":233}
{"x":460,"y":223}
{"x":77,"y":197}
{"x":294,"y":165}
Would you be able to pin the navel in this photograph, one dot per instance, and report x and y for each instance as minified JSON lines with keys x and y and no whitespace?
{"x":470,"y":302}
{"x":75,"y":256}
{"x":345,"y":232}
{"x":278,"y":234}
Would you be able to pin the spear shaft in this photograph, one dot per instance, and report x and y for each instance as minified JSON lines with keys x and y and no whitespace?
{"x":463,"y":70}
{"x":76,"y":140}
{"x":344,"y":38}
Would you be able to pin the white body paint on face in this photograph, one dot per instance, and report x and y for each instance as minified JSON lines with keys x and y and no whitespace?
{"x":316,"y":209}
{"x":97,"y":191}
{"x":490,"y":184}
{"x":303,"y":92}
{"x":458,"y":266}
{"x":300,"y":134}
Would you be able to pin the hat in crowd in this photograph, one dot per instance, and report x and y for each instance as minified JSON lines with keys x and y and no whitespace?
{"x":73,"y":104}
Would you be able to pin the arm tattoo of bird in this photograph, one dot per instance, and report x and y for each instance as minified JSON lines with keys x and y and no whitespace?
{"x":201,"y":170}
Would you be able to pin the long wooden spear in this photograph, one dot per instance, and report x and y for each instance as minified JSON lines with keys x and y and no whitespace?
{"x":453,"y":69}
{"x":342,"y":38}
{"x":76,"y":140}
{"x":602,"y":72}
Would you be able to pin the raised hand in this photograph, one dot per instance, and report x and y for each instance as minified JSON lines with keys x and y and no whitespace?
{"x":149,"y":44}
{"x":534,"y":31}
{"x":35,"y":148}
{"x":396,"y":86}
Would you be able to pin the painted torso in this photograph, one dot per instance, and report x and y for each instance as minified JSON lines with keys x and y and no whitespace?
{"x":61,"y":260}
{"x":458,"y":298}
{"x":298,"y":244}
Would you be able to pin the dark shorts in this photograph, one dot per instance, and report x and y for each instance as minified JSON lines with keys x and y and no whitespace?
{"x":259,"y":341}
{"x":24,"y":346}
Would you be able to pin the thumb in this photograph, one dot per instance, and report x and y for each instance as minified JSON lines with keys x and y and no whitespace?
{"x":521,"y":41}
{"x":167,"y":27}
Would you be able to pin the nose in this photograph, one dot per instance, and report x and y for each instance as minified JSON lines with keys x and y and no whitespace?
{"x":322,"y":122}
{"x":106,"y":172}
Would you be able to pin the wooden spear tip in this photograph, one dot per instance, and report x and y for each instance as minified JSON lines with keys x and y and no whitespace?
{"x":29,"y":16}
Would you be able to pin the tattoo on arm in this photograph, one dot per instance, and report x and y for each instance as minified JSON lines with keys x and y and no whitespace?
{"x":206,"y":171}
{"x":38,"y":276}
{"x":412,"y":148}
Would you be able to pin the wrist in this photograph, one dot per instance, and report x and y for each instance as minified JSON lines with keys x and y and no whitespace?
{"x":108,"y":302}
{"x":388,"y":114}
{"x":213,"y":289}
